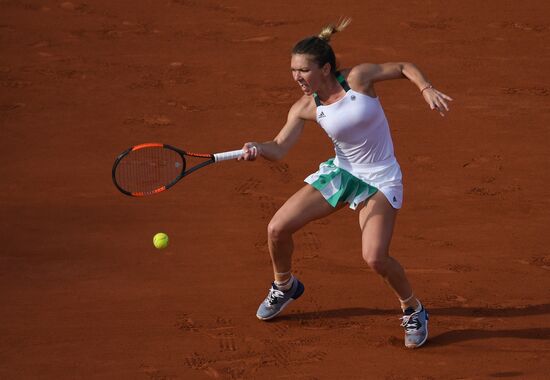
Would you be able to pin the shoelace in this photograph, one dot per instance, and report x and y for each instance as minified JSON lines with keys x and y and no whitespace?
{"x":411,"y":322}
{"x":273,"y":295}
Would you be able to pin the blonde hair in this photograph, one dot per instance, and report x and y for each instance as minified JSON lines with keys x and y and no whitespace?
{"x":329,"y":30}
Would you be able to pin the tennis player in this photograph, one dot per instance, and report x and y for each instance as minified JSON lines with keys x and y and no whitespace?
{"x":363,"y":174}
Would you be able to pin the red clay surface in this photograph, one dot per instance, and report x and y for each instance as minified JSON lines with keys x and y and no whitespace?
{"x":85,"y":294}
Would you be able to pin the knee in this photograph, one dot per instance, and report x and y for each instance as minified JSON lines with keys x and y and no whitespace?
{"x":277,"y":230}
{"x":377,"y":260}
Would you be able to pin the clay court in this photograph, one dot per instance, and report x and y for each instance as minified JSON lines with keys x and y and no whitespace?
{"x":85,"y":295}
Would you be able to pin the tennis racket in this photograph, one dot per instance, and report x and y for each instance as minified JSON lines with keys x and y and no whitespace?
{"x":152,"y":168}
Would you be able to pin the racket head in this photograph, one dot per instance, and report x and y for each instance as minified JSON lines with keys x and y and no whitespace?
{"x":148,"y":169}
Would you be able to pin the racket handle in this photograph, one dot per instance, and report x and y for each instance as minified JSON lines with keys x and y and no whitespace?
{"x":228,"y":155}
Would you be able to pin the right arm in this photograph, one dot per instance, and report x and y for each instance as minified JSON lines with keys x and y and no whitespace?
{"x":277,"y":148}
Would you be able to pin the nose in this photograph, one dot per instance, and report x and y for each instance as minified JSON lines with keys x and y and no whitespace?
{"x":296,"y":75}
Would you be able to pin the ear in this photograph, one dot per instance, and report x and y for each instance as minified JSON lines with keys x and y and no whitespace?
{"x":326,"y":69}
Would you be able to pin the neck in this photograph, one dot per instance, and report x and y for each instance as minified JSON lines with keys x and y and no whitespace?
{"x":329,"y":89}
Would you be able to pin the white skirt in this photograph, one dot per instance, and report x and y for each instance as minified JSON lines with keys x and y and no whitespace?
{"x":339,"y":180}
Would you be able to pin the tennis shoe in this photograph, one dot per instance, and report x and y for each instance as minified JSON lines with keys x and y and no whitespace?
{"x":415,"y":324}
{"x":277,"y":300}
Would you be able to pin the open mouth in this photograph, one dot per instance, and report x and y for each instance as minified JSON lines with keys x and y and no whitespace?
{"x":304,"y":87}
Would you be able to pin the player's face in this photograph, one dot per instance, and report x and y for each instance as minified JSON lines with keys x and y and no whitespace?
{"x":306,"y":72}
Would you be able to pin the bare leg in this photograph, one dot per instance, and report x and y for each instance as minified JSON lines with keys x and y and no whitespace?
{"x":377,"y":220}
{"x":306,"y":205}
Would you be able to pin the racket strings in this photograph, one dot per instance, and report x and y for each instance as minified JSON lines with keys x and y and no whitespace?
{"x":149,"y":170}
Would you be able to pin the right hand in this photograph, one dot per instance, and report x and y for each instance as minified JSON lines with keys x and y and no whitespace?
{"x":251,"y":151}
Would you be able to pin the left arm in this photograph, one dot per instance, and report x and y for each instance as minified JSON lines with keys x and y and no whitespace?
{"x":368,"y":73}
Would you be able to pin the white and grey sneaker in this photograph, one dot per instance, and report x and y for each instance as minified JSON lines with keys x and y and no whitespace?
{"x":415,"y":324}
{"x":277,"y":300}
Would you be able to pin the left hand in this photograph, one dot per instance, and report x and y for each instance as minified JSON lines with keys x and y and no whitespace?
{"x":436,"y":100}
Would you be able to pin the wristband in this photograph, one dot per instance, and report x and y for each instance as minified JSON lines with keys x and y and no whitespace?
{"x":425,"y":88}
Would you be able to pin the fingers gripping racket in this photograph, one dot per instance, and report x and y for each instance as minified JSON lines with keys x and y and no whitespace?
{"x":151,"y":168}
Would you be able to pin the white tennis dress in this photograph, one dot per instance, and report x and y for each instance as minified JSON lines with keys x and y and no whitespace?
{"x":363,"y":145}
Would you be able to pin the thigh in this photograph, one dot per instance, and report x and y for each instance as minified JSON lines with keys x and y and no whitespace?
{"x":306,"y":205}
{"x":377,"y":219}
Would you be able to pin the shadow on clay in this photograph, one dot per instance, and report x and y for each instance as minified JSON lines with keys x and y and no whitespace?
{"x":448,"y":337}
{"x":456,"y":336}
{"x":476,"y":312}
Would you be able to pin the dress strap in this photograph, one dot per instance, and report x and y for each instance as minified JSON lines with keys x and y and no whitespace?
{"x":342,"y":81}
{"x":317,"y":100}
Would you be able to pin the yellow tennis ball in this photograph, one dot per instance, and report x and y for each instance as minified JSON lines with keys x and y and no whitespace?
{"x":160,"y":240}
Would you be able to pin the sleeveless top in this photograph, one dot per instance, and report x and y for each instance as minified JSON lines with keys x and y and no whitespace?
{"x":357,"y":127}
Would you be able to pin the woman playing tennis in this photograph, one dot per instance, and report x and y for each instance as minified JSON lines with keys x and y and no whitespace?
{"x":363,"y":174}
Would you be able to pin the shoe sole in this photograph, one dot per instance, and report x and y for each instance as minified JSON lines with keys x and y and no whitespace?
{"x":413,"y":346}
{"x":299,"y":292}
{"x":277,"y":313}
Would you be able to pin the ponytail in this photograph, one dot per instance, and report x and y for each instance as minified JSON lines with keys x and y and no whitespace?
{"x":329,"y":30}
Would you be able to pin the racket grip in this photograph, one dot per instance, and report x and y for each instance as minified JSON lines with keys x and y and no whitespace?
{"x":228,"y":155}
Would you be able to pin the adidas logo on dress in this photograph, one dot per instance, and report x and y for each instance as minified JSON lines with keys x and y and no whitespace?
{"x":321,"y":115}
